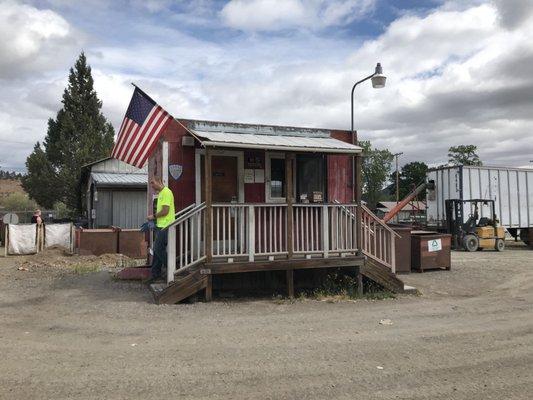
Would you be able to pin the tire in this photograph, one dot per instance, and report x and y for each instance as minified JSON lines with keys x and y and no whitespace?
{"x":500,"y":245}
{"x":471,"y":243}
{"x":524,"y":236}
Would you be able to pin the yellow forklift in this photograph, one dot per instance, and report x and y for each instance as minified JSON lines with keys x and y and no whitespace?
{"x":475,"y":233}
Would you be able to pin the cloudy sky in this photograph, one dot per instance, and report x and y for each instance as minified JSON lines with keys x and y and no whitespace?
{"x":459,"y":71}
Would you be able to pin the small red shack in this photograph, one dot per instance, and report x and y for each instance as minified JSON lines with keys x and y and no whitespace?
{"x":263,"y":198}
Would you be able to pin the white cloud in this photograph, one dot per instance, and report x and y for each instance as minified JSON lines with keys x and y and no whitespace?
{"x":33,"y":39}
{"x":456,"y":75}
{"x":273,"y":15}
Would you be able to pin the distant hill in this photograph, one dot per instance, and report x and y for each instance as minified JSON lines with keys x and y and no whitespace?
{"x":9,"y":186}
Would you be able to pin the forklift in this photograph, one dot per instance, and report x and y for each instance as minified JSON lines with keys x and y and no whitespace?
{"x":476,"y":233}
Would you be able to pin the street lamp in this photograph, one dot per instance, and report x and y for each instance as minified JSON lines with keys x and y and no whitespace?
{"x":378,"y":82}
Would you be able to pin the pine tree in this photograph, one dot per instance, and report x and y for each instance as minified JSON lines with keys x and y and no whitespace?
{"x":79,"y":135}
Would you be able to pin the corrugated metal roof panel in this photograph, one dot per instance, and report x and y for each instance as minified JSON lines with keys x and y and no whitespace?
{"x":294,"y":143}
{"x":104,"y":178}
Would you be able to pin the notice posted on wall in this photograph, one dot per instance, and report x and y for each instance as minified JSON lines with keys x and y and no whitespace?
{"x":435,"y":245}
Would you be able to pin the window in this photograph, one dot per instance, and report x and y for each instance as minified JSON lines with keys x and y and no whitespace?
{"x":275,"y":179}
{"x":310,"y":176}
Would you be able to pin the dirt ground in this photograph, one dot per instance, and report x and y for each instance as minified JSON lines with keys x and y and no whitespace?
{"x":70,"y":333}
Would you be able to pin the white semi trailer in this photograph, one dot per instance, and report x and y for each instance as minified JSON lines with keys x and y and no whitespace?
{"x":510,"y":188}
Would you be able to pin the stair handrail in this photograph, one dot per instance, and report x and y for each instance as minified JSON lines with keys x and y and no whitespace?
{"x":187,"y":214}
{"x":379,"y":221}
{"x":184,"y":210}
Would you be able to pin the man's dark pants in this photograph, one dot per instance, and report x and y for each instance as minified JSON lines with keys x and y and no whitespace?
{"x":160,"y":252}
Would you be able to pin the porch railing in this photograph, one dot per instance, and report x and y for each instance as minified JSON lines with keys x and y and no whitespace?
{"x":186,"y":240}
{"x":378,"y":240}
{"x":251,"y":231}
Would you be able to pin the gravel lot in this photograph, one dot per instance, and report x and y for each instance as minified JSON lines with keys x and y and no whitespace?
{"x":66,"y":335}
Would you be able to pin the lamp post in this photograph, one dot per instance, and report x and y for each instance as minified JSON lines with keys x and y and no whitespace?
{"x":378,"y":82}
{"x":397,"y":177}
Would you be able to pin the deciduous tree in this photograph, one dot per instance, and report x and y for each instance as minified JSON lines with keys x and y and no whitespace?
{"x":464,"y":154}
{"x":411,"y":175}
{"x":375,"y":172}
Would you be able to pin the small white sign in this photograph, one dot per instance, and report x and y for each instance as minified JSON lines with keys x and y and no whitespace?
{"x":259,"y":176}
{"x":434,"y":245}
{"x":248,"y":176}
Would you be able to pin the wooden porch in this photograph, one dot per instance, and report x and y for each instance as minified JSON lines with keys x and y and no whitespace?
{"x":234,"y":237}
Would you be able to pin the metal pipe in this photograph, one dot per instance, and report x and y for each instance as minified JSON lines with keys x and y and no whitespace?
{"x":353,"y":135}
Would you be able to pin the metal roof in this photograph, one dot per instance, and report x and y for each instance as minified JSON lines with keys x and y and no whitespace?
{"x":107,"y":179}
{"x":276,"y":142}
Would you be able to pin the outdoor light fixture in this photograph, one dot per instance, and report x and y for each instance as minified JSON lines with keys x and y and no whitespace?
{"x":378,"y":82}
{"x":378,"y":79}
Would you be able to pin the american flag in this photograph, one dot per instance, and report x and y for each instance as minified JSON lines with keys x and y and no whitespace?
{"x":143,"y":124}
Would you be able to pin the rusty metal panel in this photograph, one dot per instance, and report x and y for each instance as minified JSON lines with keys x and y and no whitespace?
{"x":96,"y":241}
{"x":131,"y":243}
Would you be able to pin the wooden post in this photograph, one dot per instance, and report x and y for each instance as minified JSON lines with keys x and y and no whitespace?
{"x":289,"y":157}
{"x":171,"y":253}
{"x":325,"y":230}
{"x":358,"y":183}
{"x":6,"y":240}
{"x":209,"y":288}
{"x":209,"y":206}
{"x":359,"y":282}
{"x":290,"y":283}
{"x":251,"y":233}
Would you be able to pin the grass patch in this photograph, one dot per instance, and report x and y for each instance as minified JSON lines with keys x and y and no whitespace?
{"x":82,"y":269}
{"x":339,"y":286}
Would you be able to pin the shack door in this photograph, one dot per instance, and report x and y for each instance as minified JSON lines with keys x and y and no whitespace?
{"x":225,"y":185}
{"x":225,"y":189}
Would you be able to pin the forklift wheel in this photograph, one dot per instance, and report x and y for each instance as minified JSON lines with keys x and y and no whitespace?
{"x":500,"y":245}
{"x":471,"y":243}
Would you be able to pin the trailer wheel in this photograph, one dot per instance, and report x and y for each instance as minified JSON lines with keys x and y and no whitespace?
{"x":500,"y":245}
{"x":524,"y":236}
{"x":471,"y":243}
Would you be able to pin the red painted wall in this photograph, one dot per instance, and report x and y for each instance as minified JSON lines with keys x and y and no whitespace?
{"x":340,"y":175}
{"x":254,"y":192}
{"x":184,"y":187}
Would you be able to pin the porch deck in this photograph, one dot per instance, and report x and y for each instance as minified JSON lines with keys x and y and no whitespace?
{"x":237,"y":238}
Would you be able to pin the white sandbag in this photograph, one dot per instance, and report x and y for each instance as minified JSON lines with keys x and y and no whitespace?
{"x":57,"y":235}
{"x":22,"y":239}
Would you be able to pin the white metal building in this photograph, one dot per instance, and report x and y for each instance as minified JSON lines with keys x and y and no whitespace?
{"x":116,"y":194}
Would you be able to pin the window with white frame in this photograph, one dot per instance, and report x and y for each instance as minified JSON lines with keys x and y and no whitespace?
{"x":275,"y":177}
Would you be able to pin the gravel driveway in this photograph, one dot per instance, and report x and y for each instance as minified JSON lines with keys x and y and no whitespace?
{"x":66,"y":335}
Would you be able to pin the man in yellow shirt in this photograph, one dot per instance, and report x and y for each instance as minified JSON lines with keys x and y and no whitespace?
{"x":164,"y":216}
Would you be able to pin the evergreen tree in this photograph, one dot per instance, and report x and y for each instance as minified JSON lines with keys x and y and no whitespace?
{"x":79,"y":135}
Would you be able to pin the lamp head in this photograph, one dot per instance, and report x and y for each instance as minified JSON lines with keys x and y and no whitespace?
{"x":378,"y":80}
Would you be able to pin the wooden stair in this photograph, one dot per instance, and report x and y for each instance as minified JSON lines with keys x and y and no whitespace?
{"x":183,"y":287}
{"x":381,"y":274}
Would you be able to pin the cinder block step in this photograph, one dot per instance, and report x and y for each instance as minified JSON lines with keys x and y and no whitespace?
{"x":134,"y":273}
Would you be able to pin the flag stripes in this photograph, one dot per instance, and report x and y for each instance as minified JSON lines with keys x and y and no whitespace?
{"x":141,"y":128}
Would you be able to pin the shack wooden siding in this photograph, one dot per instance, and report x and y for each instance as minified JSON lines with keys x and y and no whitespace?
{"x":340,"y":176}
{"x":339,"y":169}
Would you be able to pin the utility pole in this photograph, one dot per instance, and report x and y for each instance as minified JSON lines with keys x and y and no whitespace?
{"x":397,"y":178}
